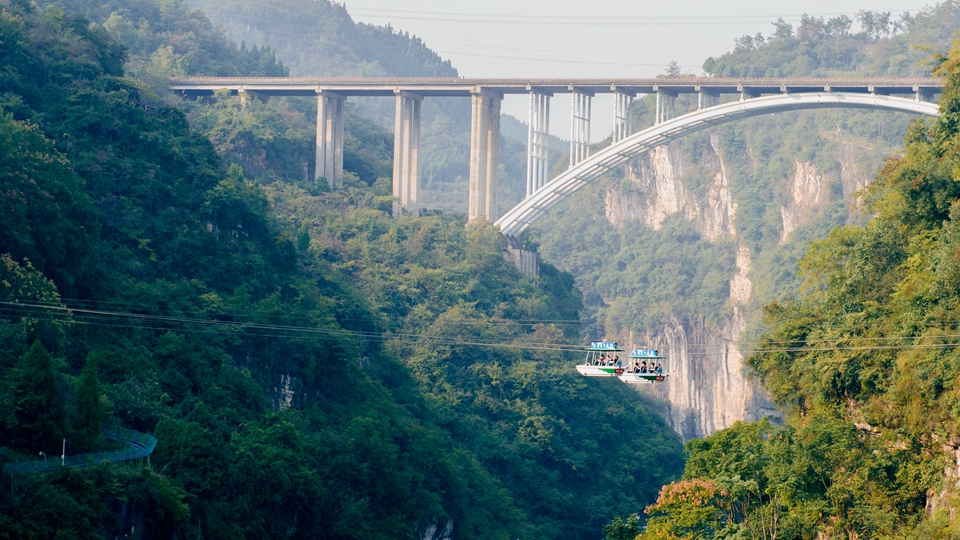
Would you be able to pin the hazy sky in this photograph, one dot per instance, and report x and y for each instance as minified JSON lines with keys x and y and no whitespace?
{"x":592,"y":38}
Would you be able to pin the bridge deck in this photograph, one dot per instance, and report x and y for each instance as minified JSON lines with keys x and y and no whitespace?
{"x":459,"y":87}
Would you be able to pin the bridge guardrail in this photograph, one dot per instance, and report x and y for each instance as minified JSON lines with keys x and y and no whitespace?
{"x":139,"y":445}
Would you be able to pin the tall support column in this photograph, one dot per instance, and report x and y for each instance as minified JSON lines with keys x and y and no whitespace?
{"x":666,"y":100}
{"x":484,"y":155}
{"x":621,"y":115}
{"x":706,"y":98}
{"x":658,"y":114}
{"x":329,"y":162}
{"x":406,"y":153}
{"x":580,"y":127}
{"x":538,"y":133}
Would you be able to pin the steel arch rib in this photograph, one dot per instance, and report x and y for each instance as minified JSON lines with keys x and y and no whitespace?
{"x":518,"y":218}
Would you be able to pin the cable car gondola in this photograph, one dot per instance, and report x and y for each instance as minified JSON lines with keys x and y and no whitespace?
{"x":640,"y":371}
{"x":602,"y":360}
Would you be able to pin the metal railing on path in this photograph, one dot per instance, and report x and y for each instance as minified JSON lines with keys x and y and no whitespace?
{"x":139,"y":445}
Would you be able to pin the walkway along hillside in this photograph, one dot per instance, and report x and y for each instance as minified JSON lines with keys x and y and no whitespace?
{"x":139,"y":445}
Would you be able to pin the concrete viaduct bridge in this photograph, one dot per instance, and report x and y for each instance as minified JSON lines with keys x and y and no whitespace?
{"x":751,"y":97}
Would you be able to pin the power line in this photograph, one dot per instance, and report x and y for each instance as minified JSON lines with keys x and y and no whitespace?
{"x":583,"y":51}
{"x":555,"y":60}
{"x":290,"y":332}
{"x":501,"y":18}
{"x":373,"y":319}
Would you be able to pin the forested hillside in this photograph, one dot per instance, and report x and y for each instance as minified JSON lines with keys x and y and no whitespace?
{"x":864,"y":362}
{"x":311,"y":366}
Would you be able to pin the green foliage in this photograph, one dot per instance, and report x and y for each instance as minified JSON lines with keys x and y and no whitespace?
{"x":37,"y":407}
{"x":95,"y":502}
{"x":526,"y":417}
{"x":40,"y":188}
{"x":167,"y":39}
{"x":308,"y":363}
{"x":863,"y":360}
{"x":688,"y":509}
{"x":620,"y":530}
{"x":883,"y":47}
{"x":321,"y":38}
{"x":24,"y":284}
{"x":89,"y":406}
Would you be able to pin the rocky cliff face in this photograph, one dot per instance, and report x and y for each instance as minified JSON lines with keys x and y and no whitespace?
{"x":656,"y":192}
{"x":710,"y":390}
{"x":808,"y":195}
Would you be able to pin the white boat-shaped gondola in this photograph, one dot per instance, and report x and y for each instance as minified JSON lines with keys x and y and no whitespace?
{"x":598,"y":371}
{"x":632,"y":376}
{"x":597,"y":362}
{"x":637,"y":378}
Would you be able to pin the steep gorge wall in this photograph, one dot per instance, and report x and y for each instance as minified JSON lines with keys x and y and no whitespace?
{"x":710,"y":389}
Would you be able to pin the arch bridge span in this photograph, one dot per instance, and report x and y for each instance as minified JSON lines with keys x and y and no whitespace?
{"x":538,"y":203}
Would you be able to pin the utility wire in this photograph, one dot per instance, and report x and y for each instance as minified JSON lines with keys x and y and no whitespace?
{"x":501,"y":18}
{"x":275,"y":316}
{"x":194,"y":325}
{"x":559,"y":61}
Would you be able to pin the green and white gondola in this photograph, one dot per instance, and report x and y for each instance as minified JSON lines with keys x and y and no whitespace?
{"x":629,"y":375}
{"x":598,"y":362}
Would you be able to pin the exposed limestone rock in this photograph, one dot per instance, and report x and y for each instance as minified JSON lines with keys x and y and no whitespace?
{"x":716,"y":219}
{"x":657,"y":192}
{"x":284,"y":392}
{"x":851,"y":156}
{"x":808,"y":194}
{"x":432,"y":531}
{"x":951,"y":479}
{"x":740,"y":285}
{"x":852,"y":177}
{"x":709,"y":390}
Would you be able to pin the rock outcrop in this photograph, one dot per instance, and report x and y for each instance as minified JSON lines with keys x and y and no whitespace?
{"x":808,"y":195}
{"x":710,"y":390}
{"x":655,"y":191}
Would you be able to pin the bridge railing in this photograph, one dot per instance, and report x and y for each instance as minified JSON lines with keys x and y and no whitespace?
{"x":139,"y":445}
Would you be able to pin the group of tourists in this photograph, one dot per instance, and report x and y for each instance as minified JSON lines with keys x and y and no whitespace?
{"x":644,"y":368}
{"x":604,"y":360}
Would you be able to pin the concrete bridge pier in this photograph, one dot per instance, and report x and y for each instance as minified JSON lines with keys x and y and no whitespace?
{"x":705,"y":98}
{"x":580,"y":126}
{"x":621,"y":114}
{"x":666,"y":100}
{"x":484,"y":154}
{"x":538,"y":133}
{"x":406,"y":153}
{"x":329,"y":162}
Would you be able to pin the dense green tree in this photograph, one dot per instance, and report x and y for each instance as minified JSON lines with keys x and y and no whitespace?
{"x":89,"y":407}
{"x":622,"y":530}
{"x":37,"y":405}
{"x":46,"y":216}
{"x":825,"y":47}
